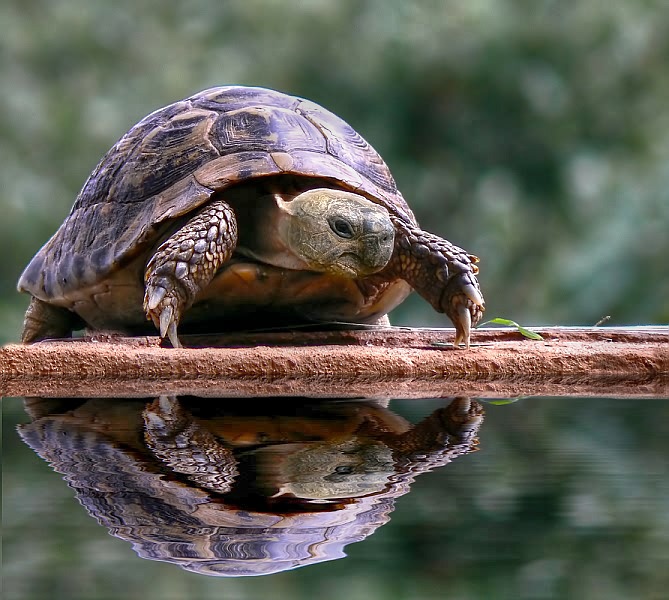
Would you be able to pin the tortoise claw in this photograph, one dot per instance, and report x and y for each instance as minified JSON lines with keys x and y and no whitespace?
{"x":473,"y":294}
{"x":164,"y":320}
{"x":163,"y":308}
{"x":464,"y":305}
{"x":164,"y":416}
{"x":463,"y":325}
{"x":168,"y":326}
{"x":154,"y":297}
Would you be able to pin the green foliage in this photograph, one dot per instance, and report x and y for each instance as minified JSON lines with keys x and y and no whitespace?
{"x":535,"y":134}
{"x":509,"y":323}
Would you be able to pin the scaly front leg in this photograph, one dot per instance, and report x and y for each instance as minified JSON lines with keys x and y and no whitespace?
{"x":440,"y":272}
{"x":185,"y":263}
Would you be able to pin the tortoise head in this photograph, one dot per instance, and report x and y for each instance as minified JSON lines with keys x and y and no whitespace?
{"x":337,"y":232}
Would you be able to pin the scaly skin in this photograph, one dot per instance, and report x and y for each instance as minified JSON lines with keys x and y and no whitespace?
{"x":454,"y":425}
{"x":186,"y":447}
{"x":186,"y":263}
{"x":440,"y":272}
{"x":440,"y":438}
{"x":46,"y":321}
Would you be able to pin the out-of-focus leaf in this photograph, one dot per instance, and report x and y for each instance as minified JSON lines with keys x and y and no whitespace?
{"x":503,"y":401}
{"x":526,"y":332}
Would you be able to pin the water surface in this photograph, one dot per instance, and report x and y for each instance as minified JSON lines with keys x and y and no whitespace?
{"x":544,"y":498}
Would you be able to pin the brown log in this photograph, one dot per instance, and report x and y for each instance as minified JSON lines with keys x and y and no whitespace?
{"x":391,"y":362}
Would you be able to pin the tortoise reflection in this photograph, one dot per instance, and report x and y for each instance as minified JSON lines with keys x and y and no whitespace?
{"x":230,"y":491}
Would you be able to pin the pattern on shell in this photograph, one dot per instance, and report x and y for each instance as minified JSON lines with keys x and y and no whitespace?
{"x":173,"y":160}
{"x":98,"y":446}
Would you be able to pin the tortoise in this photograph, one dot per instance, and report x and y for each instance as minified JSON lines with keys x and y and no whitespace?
{"x":237,"y":206}
{"x":230,"y":490}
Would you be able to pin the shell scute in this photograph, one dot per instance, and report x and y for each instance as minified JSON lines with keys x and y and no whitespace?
{"x":104,"y":176}
{"x":267,"y":129}
{"x":165,"y":156}
{"x":232,"y":168}
{"x":233,"y":97}
{"x":346,"y":144}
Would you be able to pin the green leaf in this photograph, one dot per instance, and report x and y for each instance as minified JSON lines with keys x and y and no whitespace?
{"x":526,"y":332}
{"x":503,"y":401}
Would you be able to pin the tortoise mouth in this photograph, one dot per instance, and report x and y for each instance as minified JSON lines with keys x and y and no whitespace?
{"x":347,"y":264}
{"x":353,"y":265}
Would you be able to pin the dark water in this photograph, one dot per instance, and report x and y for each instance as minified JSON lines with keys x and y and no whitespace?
{"x":282,"y":498}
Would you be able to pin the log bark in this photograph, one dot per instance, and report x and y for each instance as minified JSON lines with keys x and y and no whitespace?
{"x":390,"y":362}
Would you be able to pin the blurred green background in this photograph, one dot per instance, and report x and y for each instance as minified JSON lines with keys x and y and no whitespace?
{"x":534,"y":133}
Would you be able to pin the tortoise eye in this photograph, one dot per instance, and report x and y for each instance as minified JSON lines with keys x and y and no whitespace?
{"x":342,"y":228}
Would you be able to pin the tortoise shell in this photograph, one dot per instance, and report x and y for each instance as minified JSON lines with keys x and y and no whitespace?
{"x":169,"y":504}
{"x":176,"y":158}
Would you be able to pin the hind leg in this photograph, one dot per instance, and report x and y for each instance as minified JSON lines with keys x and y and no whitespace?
{"x":185,"y":263}
{"x":43,"y":321}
